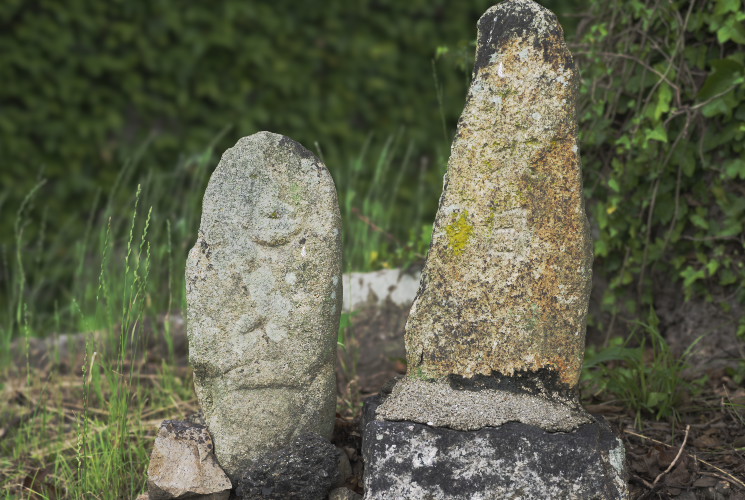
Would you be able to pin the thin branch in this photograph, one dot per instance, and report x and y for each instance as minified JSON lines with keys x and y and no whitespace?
{"x":638,"y":61}
{"x":675,"y":461}
{"x":356,"y":211}
{"x":732,"y":479}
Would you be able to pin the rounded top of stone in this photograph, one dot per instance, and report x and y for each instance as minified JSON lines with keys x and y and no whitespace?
{"x":525,"y":11}
{"x":264,"y":137}
{"x":523,"y":19}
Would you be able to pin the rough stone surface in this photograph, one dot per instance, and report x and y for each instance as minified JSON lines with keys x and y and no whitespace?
{"x":306,"y":470}
{"x":344,"y":494}
{"x":264,"y":297}
{"x":183,"y":464}
{"x":506,"y":284}
{"x":516,"y":460}
{"x":437,"y":403}
{"x":495,"y":338}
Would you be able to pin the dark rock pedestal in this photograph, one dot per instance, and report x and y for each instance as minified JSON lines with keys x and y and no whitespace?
{"x":516,"y":461}
{"x":306,"y":470}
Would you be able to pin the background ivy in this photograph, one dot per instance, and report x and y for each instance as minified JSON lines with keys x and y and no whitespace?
{"x":663,"y":123}
{"x":85,"y":83}
{"x":102,"y":94}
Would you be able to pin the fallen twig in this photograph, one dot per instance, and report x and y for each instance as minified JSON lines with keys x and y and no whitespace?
{"x":675,"y":460}
{"x":732,"y":479}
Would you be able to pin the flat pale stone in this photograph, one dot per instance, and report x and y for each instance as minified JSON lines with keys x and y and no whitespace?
{"x":378,"y":287}
{"x":264,"y":297}
{"x":506,"y":284}
{"x":183,"y":464}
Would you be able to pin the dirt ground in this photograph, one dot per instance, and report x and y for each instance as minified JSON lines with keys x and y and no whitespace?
{"x":700,"y":456}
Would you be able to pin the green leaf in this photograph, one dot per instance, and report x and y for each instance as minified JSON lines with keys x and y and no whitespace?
{"x":724,"y":6}
{"x":657,"y":134}
{"x":741,"y":328}
{"x":735,"y":168}
{"x":732,"y":30}
{"x":727,"y":277}
{"x":601,"y":248}
{"x":712,"y":266}
{"x":733,"y":228}
{"x":613,"y":184}
{"x":441,"y":51}
{"x":699,"y":221}
{"x":725,"y":73}
{"x":664,"y":97}
{"x":655,"y":398}
{"x":691,"y":275}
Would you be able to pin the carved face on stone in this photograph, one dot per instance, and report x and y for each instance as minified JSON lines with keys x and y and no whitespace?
{"x":263,"y":285}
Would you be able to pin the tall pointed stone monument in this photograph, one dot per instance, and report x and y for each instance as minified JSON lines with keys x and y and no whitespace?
{"x":489,"y":407}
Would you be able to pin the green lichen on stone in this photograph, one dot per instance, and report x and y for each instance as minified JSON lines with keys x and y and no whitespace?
{"x":459,"y":232}
{"x":295,"y":192}
{"x":506,"y":92}
{"x":533,"y":317}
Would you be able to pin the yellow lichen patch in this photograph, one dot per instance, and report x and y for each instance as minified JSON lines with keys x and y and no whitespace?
{"x":459,"y":232}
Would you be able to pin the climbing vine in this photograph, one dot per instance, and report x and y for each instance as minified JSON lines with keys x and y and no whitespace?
{"x":663,"y":129}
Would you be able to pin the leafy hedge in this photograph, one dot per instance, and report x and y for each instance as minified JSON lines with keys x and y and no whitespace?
{"x":85,"y":82}
{"x":663,"y":130}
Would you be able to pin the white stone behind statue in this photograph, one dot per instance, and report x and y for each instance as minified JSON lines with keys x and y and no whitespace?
{"x":264,"y":297}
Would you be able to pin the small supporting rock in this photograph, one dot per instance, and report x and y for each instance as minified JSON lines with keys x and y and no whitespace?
{"x":183,"y":464}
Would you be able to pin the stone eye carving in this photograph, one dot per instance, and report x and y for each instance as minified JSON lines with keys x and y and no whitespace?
{"x":278,"y":221}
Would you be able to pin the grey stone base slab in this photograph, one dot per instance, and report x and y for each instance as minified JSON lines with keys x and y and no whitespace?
{"x":406,"y":460}
{"x":438,"y":404}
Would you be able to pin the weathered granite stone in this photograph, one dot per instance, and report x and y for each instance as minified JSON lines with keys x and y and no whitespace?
{"x":503,"y":297}
{"x":264,"y":297}
{"x":489,"y":407}
{"x":307,"y":469}
{"x":516,"y":460}
{"x":183,"y":464}
{"x":344,"y":494}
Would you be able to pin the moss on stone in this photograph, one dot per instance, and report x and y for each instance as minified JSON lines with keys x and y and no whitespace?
{"x":459,"y":232}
